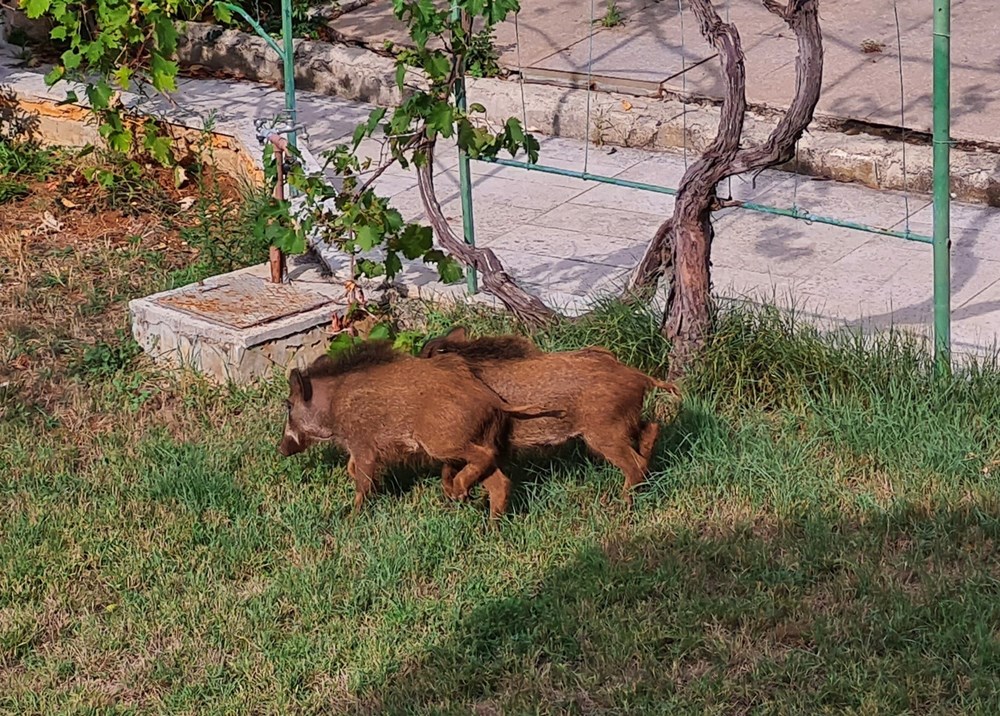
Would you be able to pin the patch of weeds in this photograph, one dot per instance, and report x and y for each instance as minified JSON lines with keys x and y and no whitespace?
{"x":26,"y":160}
{"x":872,"y":47}
{"x":105,"y":360}
{"x":127,"y":186}
{"x":612,"y":15}
{"x":11,"y":190}
{"x":482,"y":58}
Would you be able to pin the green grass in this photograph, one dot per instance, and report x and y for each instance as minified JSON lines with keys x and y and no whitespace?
{"x":819,"y":536}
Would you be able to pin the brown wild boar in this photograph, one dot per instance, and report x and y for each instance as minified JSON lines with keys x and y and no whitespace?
{"x":601,"y":396}
{"x":384,"y":407}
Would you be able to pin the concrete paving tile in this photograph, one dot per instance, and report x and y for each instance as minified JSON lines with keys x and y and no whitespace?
{"x":626,"y":199}
{"x":630,"y":227}
{"x":648,"y":49}
{"x":564,"y":244}
{"x":570,"y":155}
{"x":567,"y":275}
{"x":490,"y":219}
{"x":782,"y":246}
{"x":981,"y":239}
{"x":756,"y":286}
{"x":548,"y":26}
{"x":848,"y":202}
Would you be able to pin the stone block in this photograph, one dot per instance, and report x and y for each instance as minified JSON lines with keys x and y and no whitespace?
{"x":239,"y":327}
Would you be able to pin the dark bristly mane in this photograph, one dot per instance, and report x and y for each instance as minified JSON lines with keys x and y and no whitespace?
{"x":492,"y":348}
{"x":363,"y":355}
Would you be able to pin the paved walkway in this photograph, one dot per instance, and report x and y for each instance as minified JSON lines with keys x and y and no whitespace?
{"x":572,"y":240}
{"x":658,"y":47}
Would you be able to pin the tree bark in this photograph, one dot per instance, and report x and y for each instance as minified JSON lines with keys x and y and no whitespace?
{"x":683,"y":242}
{"x":496,"y":280}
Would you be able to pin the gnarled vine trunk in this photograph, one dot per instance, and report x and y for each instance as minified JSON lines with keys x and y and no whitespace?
{"x":683,"y":243}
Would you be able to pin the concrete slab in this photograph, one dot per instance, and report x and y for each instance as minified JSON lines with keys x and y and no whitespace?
{"x":838,"y":200}
{"x":639,"y":55}
{"x":866,"y":85}
{"x":632,"y":227}
{"x":975,"y":230}
{"x":239,"y":327}
{"x":566,"y":244}
{"x":782,"y":246}
{"x":543,"y":27}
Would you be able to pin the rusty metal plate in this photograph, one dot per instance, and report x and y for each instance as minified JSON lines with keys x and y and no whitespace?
{"x":245,"y":301}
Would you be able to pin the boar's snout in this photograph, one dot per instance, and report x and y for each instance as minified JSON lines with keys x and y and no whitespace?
{"x":289,"y":446}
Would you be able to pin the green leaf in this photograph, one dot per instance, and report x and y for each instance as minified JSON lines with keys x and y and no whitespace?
{"x":437,"y":66}
{"x":441,"y":119}
{"x":373,"y":119}
{"x":367,"y":236}
{"x":222,"y":14}
{"x":163,"y":73}
{"x":369,"y":268}
{"x":449,"y":270}
{"x":400,"y":75}
{"x":58,"y":32}
{"x":359,"y":134}
{"x":415,"y":241}
{"x":99,"y":95}
{"x":37,"y":8}
{"x":158,"y":147}
{"x":166,"y":34}
{"x":392,"y":264}
{"x":341,"y":343}
{"x":54,"y":75}
{"x":380,"y":332}
{"x":514,"y":130}
{"x":71,"y":59}
{"x":531,"y":144}
{"x":123,"y":76}
{"x":475,"y":107}
{"x":393,"y":220}
{"x":120,"y":142}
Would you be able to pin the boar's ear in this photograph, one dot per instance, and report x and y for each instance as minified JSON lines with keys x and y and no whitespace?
{"x":300,"y":385}
{"x":457,"y":334}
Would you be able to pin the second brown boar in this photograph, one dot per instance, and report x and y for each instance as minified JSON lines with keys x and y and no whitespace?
{"x":383,"y":407}
{"x":602,"y":399}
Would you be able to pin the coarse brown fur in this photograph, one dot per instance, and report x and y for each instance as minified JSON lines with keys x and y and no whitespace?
{"x":602,"y":397}
{"x":384,"y":407}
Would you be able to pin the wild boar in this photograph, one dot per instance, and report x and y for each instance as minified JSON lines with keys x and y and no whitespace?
{"x":383,"y":407}
{"x":602,"y":399}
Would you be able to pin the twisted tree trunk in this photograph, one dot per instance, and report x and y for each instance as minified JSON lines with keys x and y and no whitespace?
{"x":683,"y":242}
{"x":496,"y":280}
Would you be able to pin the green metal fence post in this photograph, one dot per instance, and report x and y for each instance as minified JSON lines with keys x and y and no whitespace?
{"x":288,"y":60}
{"x":464,"y":170}
{"x":942,"y":184}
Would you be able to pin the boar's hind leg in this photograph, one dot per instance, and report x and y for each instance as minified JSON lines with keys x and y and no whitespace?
{"x":362,"y":469}
{"x":479,"y":462}
{"x":498,"y":485}
{"x":648,"y":434}
{"x":617,"y":449}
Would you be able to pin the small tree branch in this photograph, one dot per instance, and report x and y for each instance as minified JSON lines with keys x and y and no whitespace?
{"x":496,"y":280}
{"x":802,"y":16}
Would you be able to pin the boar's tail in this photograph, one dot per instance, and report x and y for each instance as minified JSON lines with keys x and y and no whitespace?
{"x":533,"y":411}
{"x":665,"y":385}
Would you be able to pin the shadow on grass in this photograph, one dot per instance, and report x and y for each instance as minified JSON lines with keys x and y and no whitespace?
{"x":897,"y":613}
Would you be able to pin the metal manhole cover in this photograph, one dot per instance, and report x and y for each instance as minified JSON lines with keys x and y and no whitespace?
{"x":245,"y":301}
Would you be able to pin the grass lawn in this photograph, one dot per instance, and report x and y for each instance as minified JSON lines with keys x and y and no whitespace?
{"x":818,"y":536}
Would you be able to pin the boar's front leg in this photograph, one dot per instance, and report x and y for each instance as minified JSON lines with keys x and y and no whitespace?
{"x":448,"y":473}
{"x":362,"y":468}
